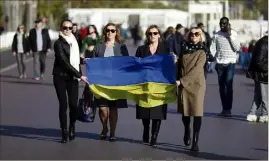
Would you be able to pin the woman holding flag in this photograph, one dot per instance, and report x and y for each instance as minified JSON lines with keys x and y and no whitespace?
{"x":66,"y":73}
{"x":192,"y":84}
{"x":154,"y":45}
{"x":111,"y":45}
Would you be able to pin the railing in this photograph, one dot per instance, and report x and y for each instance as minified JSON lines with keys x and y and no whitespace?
{"x":6,"y":38}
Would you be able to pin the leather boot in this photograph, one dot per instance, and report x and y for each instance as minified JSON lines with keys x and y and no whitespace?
{"x":156,"y":124}
{"x":64,"y":136}
{"x":146,"y":123}
{"x":195,"y":140}
{"x":72,"y":133}
{"x":187,"y":136}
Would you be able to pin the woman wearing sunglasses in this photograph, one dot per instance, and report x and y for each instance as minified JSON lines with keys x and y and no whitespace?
{"x":154,"y":45}
{"x":191,"y":84}
{"x":66,"y":73}
{"x":111,"y":45}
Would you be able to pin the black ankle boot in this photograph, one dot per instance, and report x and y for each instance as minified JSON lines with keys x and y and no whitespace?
{"x":195,"y":139}
{"x":187,"y":137}
{"x":154,"y":132}
{"x":64,"y":136}
{"x":146,"y":131}
{"x":72,"y":133}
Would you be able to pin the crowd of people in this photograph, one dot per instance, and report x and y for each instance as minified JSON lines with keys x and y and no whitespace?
{"x":192,"y":48}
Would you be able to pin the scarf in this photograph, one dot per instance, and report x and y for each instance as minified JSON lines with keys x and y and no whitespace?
{"x":190,"y":48}
{"x":74,"y":50}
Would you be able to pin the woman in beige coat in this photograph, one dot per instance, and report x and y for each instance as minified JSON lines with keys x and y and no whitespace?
{"x":191,"y":83}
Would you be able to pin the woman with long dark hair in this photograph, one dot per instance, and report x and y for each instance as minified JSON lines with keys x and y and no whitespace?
{"x":111,"y":45}
{"x":90,"y":41}
{"x":66,"y":74}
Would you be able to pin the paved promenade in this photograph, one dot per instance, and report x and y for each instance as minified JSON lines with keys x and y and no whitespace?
{"x":29,"y":126}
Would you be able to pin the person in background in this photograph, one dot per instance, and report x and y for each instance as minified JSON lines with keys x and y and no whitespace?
{"x":224,"y":48}
{"x":210,"y":59}
{"x":40,"y":44}
{"x":168,"y":33}
{"x":258,"y":71}
{"x":175,"y":42}
{"x":90,"y":41}
{"x":66,"y":73}
{"x":2,"y":29}
{"x":20,"y":46}
{"x":250,"y":50}
{"x":123,"y":32}
{"x":245,"y":54}
{"x":111,"y":45}
{"x":154,"y":45}
{"x":136,"y":34}
{"x":83,"y":31}
{"x":76,"y":33}
{"x":191,"y":84}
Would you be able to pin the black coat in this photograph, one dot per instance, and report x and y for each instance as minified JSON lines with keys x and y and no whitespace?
{"x":258,"y":68}
{"x":25,"y":43}
{"x":62,"y":66}
{"x":175,"y":42}
{"x":45,"y":37}
{"x":158,"y":112}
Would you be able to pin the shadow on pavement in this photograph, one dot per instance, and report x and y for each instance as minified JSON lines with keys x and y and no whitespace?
{"x":259,"y":149}
{"x":48,"y":134}
{"x":200,"y":155}
{"x":53,"y":135}
{"x":206,"y":114}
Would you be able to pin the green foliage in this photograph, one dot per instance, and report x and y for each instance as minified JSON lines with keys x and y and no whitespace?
{"x":58,"y":7}
{"x":258,"y":7}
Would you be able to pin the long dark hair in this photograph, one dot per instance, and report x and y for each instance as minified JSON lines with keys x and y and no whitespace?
{"x":95,"y":30}
{"x":118,"y":38}
{"x":152,"y":27}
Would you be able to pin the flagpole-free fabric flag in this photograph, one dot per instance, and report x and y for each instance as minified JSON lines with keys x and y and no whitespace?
{"x":149,"y":81}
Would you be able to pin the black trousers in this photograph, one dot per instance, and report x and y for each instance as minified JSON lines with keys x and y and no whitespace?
{"x":69,"y":86}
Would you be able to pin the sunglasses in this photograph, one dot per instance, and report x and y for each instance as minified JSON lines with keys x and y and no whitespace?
{"x":113,"y":31}
{"x":153,"y":33}
{"x":66,"y":27}
{"x":195,"y":34}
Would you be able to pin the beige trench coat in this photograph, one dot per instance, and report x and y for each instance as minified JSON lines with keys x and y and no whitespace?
{"x":192,"y":88}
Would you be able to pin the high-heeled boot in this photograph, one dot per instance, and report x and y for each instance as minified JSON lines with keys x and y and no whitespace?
{"x":72,"y":133}
{"x":64,"y":136}
{"x":187,"y":136}
{"x":146,"y":123}
{"x":156,"y":124}
{"x":195,"y":140}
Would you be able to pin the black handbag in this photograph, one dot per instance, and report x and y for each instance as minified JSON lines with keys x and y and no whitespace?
{"x":86,"y":107}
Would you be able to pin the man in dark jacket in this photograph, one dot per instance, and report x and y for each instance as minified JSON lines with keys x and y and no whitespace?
{"x":258,"y":71}
{"x":40,"y":44}
{"x":175,"y":42}
{"x":208,"y":41}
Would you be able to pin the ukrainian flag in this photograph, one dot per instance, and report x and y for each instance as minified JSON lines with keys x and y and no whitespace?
{"x":148,"y":81}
